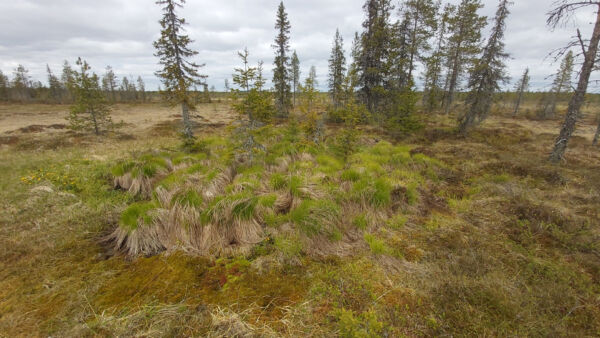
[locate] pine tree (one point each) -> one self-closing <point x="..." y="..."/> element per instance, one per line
<point x="141" y="88"/>
<point x="179" y="74"/>
<point x="54" y="87"/>
<point x="4" y="86"/>
<point x="109" y="83"/>
<point x="337" y="70"/>
<point x="374" y="52"/>
<point x="281" y="73"/>
<point x="434" y="65"/>
<point x="420" y="16"/>
<point x="560" y="85"/>
<point x="295" y="76"/>
<point x="463" y="44"/>
<point x="21" y="83"/>
<point x="90" y="110"/>
<point x="521" y="87"/>
<point x="488" y="73"/>
<point x="558" y="15"/>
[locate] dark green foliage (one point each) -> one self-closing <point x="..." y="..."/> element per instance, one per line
<point x="178" y="73"/>
<point x="464" y="26"/>
<point x="90" y="111"/>
<point x="281" y="73"/>
<point x="337" y="70"/>
<point x="488" y="73"/>
<point x="136" y="212"/>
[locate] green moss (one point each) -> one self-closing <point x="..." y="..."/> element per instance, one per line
<point x="314" y="216"/>
<point x="136" y="211"/>
<point x="364" y="325"/>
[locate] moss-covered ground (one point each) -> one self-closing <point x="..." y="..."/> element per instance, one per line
<point x="436" y="234"/>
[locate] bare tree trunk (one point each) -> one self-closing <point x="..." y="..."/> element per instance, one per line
<point x="518" y="104"/>
<point x="597" y="136"/>
<point x="577" y="99"/>
<point x="187" y="125"/>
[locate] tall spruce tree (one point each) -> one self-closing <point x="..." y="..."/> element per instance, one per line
<point x="521" y="87"/>
<point x="560" y="85"/>
<point x="337" y="70"/>
<point x="434" y="65"/>
<point x="179" y="73"/>
<point x="90" y="110"/>
<point x="281" y="73"/>
<point x="421" y="16"/>
<point x="374" y="52"/>
<point x="295" y="76"/>
<point x="562" y="12"/>
<point x="463" y="45"/>
<point x="487" y="75"/>
<point x="125" y="90"/>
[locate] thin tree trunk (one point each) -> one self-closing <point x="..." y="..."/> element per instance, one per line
<point x="187" y="125"/>
<point x="518" y="105"/>
<point x="597" y="136"/>
<point x="577" y="99"/>
<point x="96" y="130"/>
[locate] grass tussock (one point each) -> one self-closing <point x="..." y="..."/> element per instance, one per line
<point x="442" y="235"/>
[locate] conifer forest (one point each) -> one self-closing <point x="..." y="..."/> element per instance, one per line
<point x="332" y="168"/>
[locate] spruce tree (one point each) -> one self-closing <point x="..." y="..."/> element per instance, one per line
<point x="558" y="15"/>
<point x="465" y="27"/>
<point x="109" y="83"/>
<point x="295" y="76"/>
<point x="337" y="70"/>
<point x="521" y="87"/>
<point x="488" y="73"/>
<point x="434" y="65"/>
<point x="281" y="73"/>
<point x="421" y="18"/>
<point x="54" y="87"/>
<point x="560" y="85"/>
<point x="178" y="74"/>
<point x="90" y="110"/>
<point x="374" y="52"/>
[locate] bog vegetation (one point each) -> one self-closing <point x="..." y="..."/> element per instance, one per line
<point x="371" y="210"/>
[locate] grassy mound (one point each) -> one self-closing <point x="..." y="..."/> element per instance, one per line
<point x="218" y="202"/>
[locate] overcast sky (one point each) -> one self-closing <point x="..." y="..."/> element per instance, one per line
<point x="120" y="33"/>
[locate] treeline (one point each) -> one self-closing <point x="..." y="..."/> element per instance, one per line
<point x="59" y="89"/>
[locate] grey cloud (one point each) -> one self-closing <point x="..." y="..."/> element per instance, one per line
<point x="120" y="33"/>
